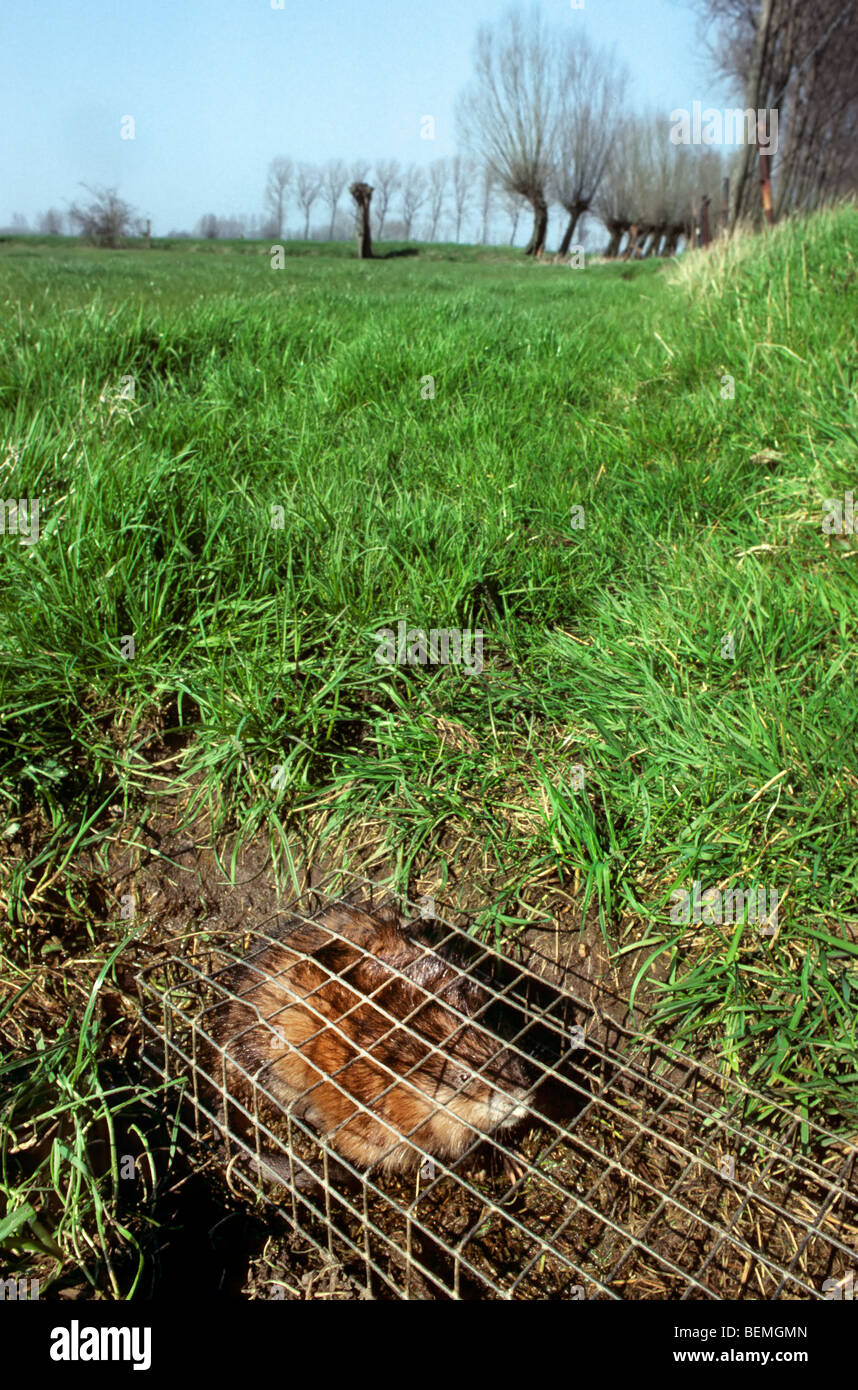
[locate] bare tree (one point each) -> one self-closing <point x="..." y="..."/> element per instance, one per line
<point x="213" y="227"/>
<point x="334" y="178"/>
<point x="462" y="174"/>
<point x="488" y="185"/>
<point x="279" y="178"/>
<point x="232" y="228"/>
<point x="51" y="223"/>
<point x="107" y="219"/>
<point x="208" y="226"/>
<point x="438" y="174"/>
<point x="592" y="84"/>
<point x="308" y="186"/>
<point x="508" y="114"/>
<point x="414" y="192"/>
<point x="388" y="177"/>
<point x="513" y="205"/>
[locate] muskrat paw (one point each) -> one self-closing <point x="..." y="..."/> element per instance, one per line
<point x="515" y="1167"/>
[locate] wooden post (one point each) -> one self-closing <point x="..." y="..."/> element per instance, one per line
<point x="148" y="234"/>
<point x="765" y="181"/>
<point x="362" y="194"/>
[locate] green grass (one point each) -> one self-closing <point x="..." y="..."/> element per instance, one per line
<point x="300" y="388"/>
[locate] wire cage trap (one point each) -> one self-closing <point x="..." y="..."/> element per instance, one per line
<point x="637" y="1172"/>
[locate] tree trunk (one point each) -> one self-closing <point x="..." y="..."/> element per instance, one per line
<point x="637" y="234"/>
<point x="362" y="194"/>
<point x="753" y="93"/>
<point x="574" y="214"/>
<point x="671" y="240"/>
<point x="536" y="245"/>
<point x="705" y="227"/>
<point x="616" y="230"/>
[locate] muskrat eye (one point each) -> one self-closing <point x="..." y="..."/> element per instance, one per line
<point x="463" y="1077"/>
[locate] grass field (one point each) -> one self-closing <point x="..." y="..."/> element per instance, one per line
<point x="686" y="644"/>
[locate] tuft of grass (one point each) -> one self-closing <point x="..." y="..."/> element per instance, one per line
<point x="65" y="1132"/>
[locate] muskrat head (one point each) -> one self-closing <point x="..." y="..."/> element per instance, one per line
<point x="484" y="1083"/>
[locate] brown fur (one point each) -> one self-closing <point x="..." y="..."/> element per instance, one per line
<point x="305" y="1012"/>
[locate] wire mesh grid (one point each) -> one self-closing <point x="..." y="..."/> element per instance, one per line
<point x="638" y="1172"/>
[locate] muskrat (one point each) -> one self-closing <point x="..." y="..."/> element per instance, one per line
<point x="350" y="1022"/>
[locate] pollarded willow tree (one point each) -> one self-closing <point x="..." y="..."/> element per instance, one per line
<point x="617" y="199"/>
<point x="590" y="102"/>
<point x="672" y="181"/>
<point x="508" y="114"/>
<point x="652" y="187"/>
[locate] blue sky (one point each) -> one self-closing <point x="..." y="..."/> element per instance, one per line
<point x="217" y="88"/>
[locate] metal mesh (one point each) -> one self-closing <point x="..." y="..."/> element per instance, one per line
<point x="648" y="1178"/>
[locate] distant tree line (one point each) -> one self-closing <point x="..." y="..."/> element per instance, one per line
<point x="451" y="200"/>
<point x="50" y="223"/>
<point x="439" y="201"/>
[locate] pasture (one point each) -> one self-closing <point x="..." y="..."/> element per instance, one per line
<point x="617" y="475"/>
